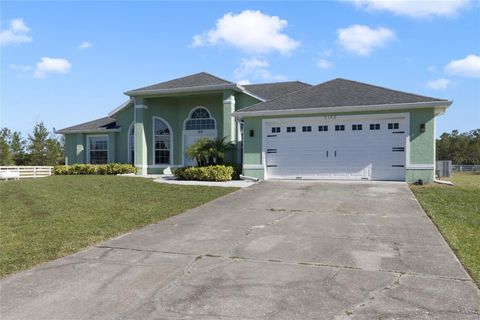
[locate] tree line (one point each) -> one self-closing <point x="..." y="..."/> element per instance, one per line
<point x="40" y="148"/>
<point x="461" y="148"/>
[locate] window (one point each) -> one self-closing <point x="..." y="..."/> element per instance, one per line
<point x="275" y="129"/>
<point x="374" y="126"/>
<point x="98" y="150"/>
<point x="392" y="126"/>
<point x="131" y="144"/>
<point x="357" y="127"/>
<point x="291" y="129"/>
<point x="306" y="129"/>
<point x="322" y="128"/>
<point x="339" y="127"/>
<point x="200" y="120"/>
<point x="161" y="142"/>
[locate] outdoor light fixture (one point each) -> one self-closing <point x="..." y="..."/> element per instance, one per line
<point x="422" y="127"/>
<point x="252" y="133"/>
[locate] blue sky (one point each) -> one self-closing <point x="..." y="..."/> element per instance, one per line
<point x="69" y="62"/>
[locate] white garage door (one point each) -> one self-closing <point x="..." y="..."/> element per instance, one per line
<point x="363" y="148"/>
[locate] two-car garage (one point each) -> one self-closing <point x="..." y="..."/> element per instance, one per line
<point x="336" y="147"/>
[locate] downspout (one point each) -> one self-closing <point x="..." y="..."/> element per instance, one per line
<point x="248" y="178"/>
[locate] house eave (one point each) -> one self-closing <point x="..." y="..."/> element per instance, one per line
<point x="440" y="107"/>
<point x="87" y="131"/>
<point x="120" y="108"/>
<point x="184" y="90"/>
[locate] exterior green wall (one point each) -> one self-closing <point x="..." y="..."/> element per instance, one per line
<point x="124" y="120"/>
<point x="75" y="148"/>
<point x="421" y="143"/>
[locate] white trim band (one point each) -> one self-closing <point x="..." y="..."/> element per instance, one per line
<point x="421" y="166"/>
<point x="253" y="166"/>
<point x="380" y="107"/>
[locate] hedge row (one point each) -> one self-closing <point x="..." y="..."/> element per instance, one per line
<point x="111" y="168"/>
<point x="208" y="173"/>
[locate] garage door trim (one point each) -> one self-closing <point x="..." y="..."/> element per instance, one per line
<point x="383" y="116"/>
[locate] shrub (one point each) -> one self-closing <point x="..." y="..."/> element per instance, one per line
<point x="209" y="173"/>
<point x="110" y="168"/>
<point x="59" y="170"/>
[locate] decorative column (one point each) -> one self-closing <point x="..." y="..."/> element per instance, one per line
<point x="140" y="140"/>
<point x="229" y="123"/>
<point x="229" y="129"/>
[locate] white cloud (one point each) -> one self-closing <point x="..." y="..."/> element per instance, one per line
<point x="244" y="82"/>
<point x="362" y="39"/>
<point x="439" y="84"/>
<point x="21" y="68"/>
<point x="51" y="65"/>
<point x="256" y="68"/>
<point x="326" y="53"/>
<point x="324" y="64"/>
<point x="85" y="45"/>
<point x="466" y="67"/>
<point x="416" y="9"/>
<point x="250" y="31"/>
<point x="15" y="34"/>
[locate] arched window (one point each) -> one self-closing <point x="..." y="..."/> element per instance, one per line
<point x="131" y="144"/>
<point x="162" y="142"/>
<point x="200" y="119"/>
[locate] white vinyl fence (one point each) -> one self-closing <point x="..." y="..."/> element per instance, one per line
<point x="21" y="172"/>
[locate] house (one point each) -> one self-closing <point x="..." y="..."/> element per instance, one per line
<point x="339" y="129"/>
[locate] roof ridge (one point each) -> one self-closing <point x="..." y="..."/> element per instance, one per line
<point x="276" y="98"/>
<point x="279" y="82"/>
<point x="384" y="88"/>
<point x="212" y="75"/>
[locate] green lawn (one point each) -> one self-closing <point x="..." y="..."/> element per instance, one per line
<point x="456" y="212"/>
<point x="47" y="218"/>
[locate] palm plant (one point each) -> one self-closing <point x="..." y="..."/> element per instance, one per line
<point x="209" y="151"/>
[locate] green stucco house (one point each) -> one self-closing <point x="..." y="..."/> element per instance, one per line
<point x="339" y="129"/>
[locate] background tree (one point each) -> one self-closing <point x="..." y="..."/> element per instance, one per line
<point x="55" y="151"/>
<point x="17" y="148"/>
<point x="461" y="148"/>
<point x="37" y="144"/>
<point x="6" y="158"/>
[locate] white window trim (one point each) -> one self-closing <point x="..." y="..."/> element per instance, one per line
<point x="190" y="114"/>
<point x="129" y="144"/>
<point x="88" y="145"/>
<point x="170" y="162"/>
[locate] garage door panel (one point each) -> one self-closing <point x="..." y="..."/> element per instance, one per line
<point x="348" y="154"/>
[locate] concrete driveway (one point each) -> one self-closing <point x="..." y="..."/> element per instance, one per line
<point x="277" y="250"/>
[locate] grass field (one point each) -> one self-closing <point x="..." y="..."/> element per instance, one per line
<point x="456" y="212"/>
<point x="47" y="218"/>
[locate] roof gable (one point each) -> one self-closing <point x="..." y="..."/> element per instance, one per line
<point x="339" y="93"/>
<point x="201" y="79"/>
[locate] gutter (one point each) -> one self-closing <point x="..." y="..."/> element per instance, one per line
<point x="398" y="106"/>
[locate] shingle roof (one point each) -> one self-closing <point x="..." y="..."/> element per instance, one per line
<point x="195" y="80"/>
<point x="274" y="90"/>
<point x="338" y="93"/>
<point x="102" y="124"/>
